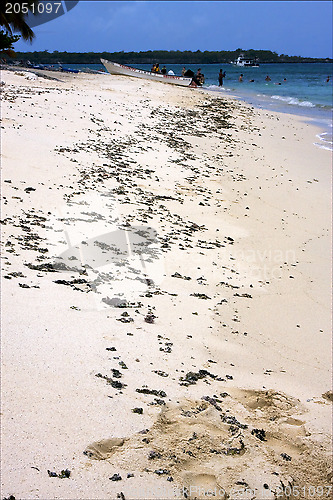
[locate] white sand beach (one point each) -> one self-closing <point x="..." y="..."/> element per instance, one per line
<point x="168" y="251"/>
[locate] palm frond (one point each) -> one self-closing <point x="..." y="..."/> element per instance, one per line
<point x="12" y="21"/>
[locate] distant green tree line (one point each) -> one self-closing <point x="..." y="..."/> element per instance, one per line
<point x="161" y="56"/>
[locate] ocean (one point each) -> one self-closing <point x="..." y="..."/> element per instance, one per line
<point x="297" y="88"/>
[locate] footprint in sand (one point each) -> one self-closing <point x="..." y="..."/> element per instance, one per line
<point x="103" y="449"/>
<point x="202" y="485"/>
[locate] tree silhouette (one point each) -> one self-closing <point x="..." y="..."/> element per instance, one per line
<point x="13" y="18"/>
<point x="6" y="43"/>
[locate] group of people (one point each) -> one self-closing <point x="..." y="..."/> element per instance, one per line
<point x="156" y="69"/>
<point x="197" y="80"/>
<point x="267" y="79"/>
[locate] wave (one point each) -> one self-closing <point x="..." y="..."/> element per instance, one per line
<point x="294" y="101"/>
<point x="216" y="88"/>
<point x="324" y="146"/>
<point x="326" y="141"/>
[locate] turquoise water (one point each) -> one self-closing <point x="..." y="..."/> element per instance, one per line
<point x="305" y="91"/>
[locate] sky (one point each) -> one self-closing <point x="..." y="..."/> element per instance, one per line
<point x="300" y="28"/>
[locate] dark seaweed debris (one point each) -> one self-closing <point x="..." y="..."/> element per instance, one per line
<point x="328" y="396"/>
<point x="229" y="419"/>
<point x="125" y="318"/>
<point x="150" y="318"/>
<point x="167" y="347"/>
<point x="193" y="377"/>
<point x="114" y="383"/>
<point x="200" y="296"/>
<point x="157" y="401"/>
<point x="231" y="451"/>
<point x="73" y="283"/>
<point x="259" y="433"/>
<point x="115" y="477"/>
<point x="51" y="268"/>
<point x="177" y="275"/>
<point x="139" y="411"/>
<point x="162" y="394"/>
<point x="161" y="471"/>
<point x="161" y="373"/>
<point x="213" y="402"/>
<point x="246" y="295"/>
<point x="63" y="474"/>
<point x="116" y="373"/>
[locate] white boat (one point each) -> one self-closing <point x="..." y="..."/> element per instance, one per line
<point x="242" y="62"/>
<point x="119" y="69"/>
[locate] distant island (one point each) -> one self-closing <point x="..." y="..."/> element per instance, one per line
<point x="162" y="56"/>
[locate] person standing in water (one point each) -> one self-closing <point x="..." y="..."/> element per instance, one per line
<point x="221" y="76"/>
<point x="240" y="79"/>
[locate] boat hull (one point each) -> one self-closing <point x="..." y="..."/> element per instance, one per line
<point x="120" y="69"/>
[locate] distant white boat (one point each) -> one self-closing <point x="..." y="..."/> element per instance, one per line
<point x="119" y="69"/>
<point x="242" y="62"/>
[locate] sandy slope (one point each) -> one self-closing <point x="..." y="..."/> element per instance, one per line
<point x="210" y="222"/>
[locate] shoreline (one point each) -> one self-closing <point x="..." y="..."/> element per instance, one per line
<point x="225" y="209"/>
<point x="316" y="116"/>
<point x="320" y="115"/>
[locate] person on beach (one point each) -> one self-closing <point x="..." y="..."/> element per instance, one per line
<point x="157" y="68"/>
<point x="164" y="70"/>
<point x="153" y="68"/>
<point x="196" y="81"/>
<point x="267" y="79"/>
<point x="240" y="79"/>
<point x="221" y="76"/>
<point x="183" y="71"/>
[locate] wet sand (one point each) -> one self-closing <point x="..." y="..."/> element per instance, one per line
<point x="166" y="294"/>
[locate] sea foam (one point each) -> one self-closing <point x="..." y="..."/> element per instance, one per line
<point x="326" y="141"/>
<point x="293" y="101"/>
